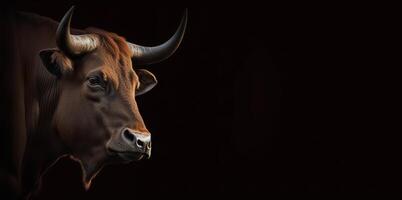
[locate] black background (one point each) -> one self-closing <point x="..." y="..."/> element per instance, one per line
<point x="257" y="100"/>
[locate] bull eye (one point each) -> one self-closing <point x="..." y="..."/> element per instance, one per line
<point x="96" y="81"/>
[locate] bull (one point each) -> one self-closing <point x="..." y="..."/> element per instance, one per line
<point x="79" y="96"/>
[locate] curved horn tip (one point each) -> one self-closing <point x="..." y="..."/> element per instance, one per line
<point x="73" y="44"/>
<point x="148" y="55"/>
<point x="185" y="16"/>
<point x="63" y="30"/>
<point x="71" y="8"/>
<point x="67" y="17"/>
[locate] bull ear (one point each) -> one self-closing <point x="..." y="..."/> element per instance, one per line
<point x="147" y="81"/>
<point x="55" y="62"/>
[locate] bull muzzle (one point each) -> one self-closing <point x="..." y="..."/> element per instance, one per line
<point x="139" y="142"/>
<point x="131" y="145"/>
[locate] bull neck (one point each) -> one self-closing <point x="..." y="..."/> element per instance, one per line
<point x="43" y="147"/>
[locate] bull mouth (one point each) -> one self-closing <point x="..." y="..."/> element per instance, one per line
<point x="126" y="155"/>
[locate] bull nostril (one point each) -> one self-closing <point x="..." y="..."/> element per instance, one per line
<point x="140" y="143"/>
<point x="128" y="135"/>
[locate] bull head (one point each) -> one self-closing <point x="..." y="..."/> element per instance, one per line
<point x="97" y="117"/>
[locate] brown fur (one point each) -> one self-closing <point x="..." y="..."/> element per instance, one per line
<point x="115" y="45"/>
<point x="62" y="60"/>
<point x="65" y="114"/>
<point x="117" y="54"/>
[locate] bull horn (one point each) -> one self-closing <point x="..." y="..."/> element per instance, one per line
<point x="147" y="55"/>
<point x="74" y="44"/>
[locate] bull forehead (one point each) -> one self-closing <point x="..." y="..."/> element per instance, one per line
<point x="118" y="71"/>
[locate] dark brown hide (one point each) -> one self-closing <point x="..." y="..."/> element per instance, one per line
<point x="65" y="110"/>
